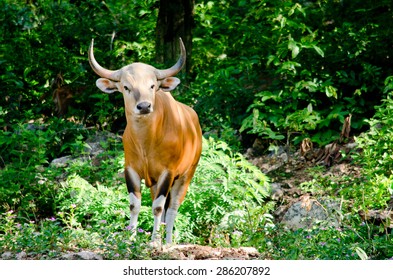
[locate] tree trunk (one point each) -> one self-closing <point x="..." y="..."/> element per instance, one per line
<point x="175" y="19"/>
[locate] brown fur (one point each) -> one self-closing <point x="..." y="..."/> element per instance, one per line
<point x="169" y="138"/>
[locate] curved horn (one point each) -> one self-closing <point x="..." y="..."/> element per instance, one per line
<point x="100" y="71"/>
<point x="162" y="74"/>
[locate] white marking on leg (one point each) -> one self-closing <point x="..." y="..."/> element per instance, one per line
<point x="170" y="221"/>
<point x="177" y="194"/>
<point x="135" y="202"/>
<point x="158" y="207"/>
<point x="135" y="208"/>
<point x="163" y="216"/>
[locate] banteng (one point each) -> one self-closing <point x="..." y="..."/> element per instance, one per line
<point x="162" y="140"/>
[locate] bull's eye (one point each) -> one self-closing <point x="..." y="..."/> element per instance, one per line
<point x="152" y="86"/>
<point x="126" y="88"/>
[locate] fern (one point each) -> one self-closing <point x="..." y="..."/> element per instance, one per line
<point x="225" y="186"/>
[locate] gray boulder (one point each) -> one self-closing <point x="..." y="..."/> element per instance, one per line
<point x="307" y="212"/>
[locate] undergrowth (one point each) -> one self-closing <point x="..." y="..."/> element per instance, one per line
<point x="83" y="205"/>
<point x="48" y="209"/>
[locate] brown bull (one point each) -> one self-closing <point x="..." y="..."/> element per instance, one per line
<point x="162" y="140"/>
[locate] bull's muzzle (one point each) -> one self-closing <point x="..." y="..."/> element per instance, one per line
<point x="144" y="108"/>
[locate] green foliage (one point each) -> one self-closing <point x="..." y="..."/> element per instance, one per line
<point x="225" y="206"/>
<point x="289" y="69"/>
<point x="25" y="151"/>
<point x="48" y="239"/>
<point x="352" y="239"/>
<point x="43" y="38"/>
<point x="328" y="243"/>
<point x="292" y="105"/>
<point x="275" y="69"/>
<point x="81" y="203"/>
<point x="227" y="196"/>
<point x="376" y="158"/>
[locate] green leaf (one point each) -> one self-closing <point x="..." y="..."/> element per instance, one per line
<point x="362" y="255"/>
<point x="331" y="92"/>
<point x="309" y="108"/>
<point x="319" y="50"/>
<point x="357" y="92"/>
<point x="295" y="51"/>
<point x="271" y="58"/>
<point x="292" y="45"/>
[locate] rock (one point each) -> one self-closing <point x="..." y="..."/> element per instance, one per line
<point x="269" y="167"/>
<point x="92" y="150"/>
<point x="67" y="160"/>
<point x="83" y="255"/>
<point x="61" y="162"/>
<point x="284" y="191"/>
<point x="68" y="256"/>
<point x="21" y="256"/>
<point x="94" y="143"/>
<point x="95" y="147"/>
<point x="250" y="251"/>
<point x="277" y="191"/>
<point x="7" y="256"/>
<point x="308" y="211"/>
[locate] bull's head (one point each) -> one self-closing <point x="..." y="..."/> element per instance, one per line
<point x="138" y="81"/>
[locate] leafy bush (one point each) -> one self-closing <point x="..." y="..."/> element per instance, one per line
<point x="227" y="197"/>
<point x="225" y="206"/>
<point x="289" y="69"/>
<point x="350" y="242"/>
<point x="80" y="203"/>
<point x="276" y="69"/>
<point x="43" y="38"/>
<point x="376" y="158"/>
<point x="25" y="151"/>
<point x="49" y="239"/>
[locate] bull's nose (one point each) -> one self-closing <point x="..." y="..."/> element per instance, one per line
<point x="144" y="107"/>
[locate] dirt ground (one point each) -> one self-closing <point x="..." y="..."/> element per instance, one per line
<point x="197" y="252"/>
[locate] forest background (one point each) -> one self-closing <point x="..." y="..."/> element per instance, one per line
<point x="276" y="71"/>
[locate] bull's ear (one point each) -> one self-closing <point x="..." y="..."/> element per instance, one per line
<point x="106" y="85"/>
<point x="169" y="84"/>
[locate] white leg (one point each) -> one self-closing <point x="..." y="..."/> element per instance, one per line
<point x="133" y="182"/>
<point x="170" y="221"/>
<point x="163" y="217"/>
<point x="178" y="192"/>
<point x="135" y="208"/>
<point x="158" y="207"/>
